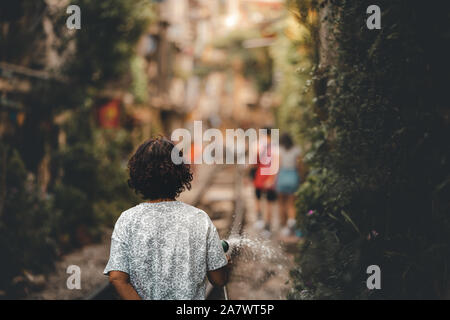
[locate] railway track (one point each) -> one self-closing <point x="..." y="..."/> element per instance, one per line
<point x="219" y="193"/>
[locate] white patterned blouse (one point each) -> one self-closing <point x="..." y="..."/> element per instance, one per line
<point x="166" y="248"/>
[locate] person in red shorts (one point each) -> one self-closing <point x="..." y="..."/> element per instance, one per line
<point x="265" y="186"/>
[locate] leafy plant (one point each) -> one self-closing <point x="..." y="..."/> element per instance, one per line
<point x="26" y="223"/>
<point x="379" y="185"/>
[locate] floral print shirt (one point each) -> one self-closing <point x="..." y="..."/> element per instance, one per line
<point x="166" y="248"/>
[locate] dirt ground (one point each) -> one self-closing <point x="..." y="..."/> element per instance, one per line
<point x="91" y="259"/>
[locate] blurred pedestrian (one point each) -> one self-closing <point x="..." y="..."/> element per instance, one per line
<point x="288" y="181"/>
<point x="264" y="186"/>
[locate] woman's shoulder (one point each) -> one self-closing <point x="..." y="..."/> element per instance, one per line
<point x="128" y="214"/>
<point x="194" y="214"/>
<point x="190" y="209"/>
<point x="174" y="207"/>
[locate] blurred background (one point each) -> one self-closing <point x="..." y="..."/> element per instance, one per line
<point x="366" y="107"/>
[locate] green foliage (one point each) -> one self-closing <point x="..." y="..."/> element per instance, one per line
<point x="26" y="223"/>
<point x="256" y="62"/>
<point x="21" y="30"/>
<point x="36" y="228"/>
<point x="381" y="188"/>
<point x="92" y="191"/>
<point x="139" y="86"/>
<point x="88" y="186"/>
<point x="106" y="42"/>
<point x="293" y="65"/>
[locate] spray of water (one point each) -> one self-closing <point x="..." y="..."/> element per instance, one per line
<point x="257" y="261"/>
<point x="252" y="248"/>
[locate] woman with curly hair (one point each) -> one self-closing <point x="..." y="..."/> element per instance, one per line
<point x="163" y="248"/>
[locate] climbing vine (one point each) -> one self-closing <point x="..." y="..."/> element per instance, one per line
<point x="378" y="189"/>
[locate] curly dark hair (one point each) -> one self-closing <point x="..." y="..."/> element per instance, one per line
<point x="154" y="175"/>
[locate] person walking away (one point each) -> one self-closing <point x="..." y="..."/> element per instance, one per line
<point x="288" y="181"/>
<point x="265" y="187"/>
<point x="163" y="249"/>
